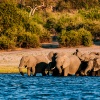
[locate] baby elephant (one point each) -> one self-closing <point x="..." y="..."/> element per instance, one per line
<point x="34" y="64"/>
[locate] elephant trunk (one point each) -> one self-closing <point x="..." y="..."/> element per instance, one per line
<point x="60" y="70"/>
<point x="89" y="67"/>
<point x="21" y="72"/>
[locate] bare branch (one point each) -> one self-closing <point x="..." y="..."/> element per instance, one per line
<point x="32" y="10"/>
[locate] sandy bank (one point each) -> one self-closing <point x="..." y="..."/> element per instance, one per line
<point x="12" y="58"/>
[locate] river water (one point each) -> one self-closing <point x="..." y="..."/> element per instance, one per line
<point x="17" y="87"/>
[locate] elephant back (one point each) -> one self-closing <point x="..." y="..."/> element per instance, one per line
<point x="42" y="58"/>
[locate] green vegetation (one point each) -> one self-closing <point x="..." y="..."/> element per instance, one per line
<point x="75" y="38"/>
<point x="75" y="22"/>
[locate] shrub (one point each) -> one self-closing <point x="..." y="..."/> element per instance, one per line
<point x="39" y="18"/>
<point x="86" y="37"/>
<point x="69" y="38"/>
<point x="70" y="22"/>
<point x="92" y="13"/>
<point x="27" y="40"/>
<point x="6" y="43"/>
<point x="9" y="15"/>
<point x="93" y="27"/>
<point x="75" y="38"/>
<point x="51" y="23"/>
<point x="62" y="5"/>
<point x="45" y="37"/>
<point x="62" y="23"/>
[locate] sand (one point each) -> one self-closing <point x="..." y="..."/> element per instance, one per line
<point x="12" y="57"/>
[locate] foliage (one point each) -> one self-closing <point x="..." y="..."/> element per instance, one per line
<point x="27" y="40"/>
<point x="6" y="43"/>
<point x="45" y="37"/>
<point x="86" y="37"/>
<point x="62" y="5"/>
<point x="17" y="28"/>
<point x="74" y="25"/>
<point x="75" y="38"/>
<point x="93" y="13"/>
<point x="50" y="23"/>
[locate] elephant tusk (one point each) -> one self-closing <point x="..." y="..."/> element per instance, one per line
<point x="53" y="68"/>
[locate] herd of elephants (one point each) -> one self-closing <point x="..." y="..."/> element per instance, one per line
<point x="60" y="64"/>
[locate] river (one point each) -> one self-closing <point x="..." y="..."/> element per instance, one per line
<point x="17" y="87"/>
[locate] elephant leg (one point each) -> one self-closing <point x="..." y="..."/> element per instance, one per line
<point x="98" y="72"/>
<point x="89" y="67"/>
<point x="28" y="71"/>
<point x="94" y="73"/>
<point x="60" y="70"/>
<point x="43" y="73"/>
<point x="33" y="71"/>
<point x="66" y="72"/>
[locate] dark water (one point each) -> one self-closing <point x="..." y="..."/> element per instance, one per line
<point x="17" y="87"/>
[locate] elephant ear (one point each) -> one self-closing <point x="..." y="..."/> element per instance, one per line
<point x="23" y="61"/>
<point x="97" y="64"/>
<point x="50" y="55"/>
<point x="85" y="57"/>
<point x="66" y="62"/>
<point x="60" y="54"/>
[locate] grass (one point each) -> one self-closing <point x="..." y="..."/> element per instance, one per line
<point x="10" y="69"/>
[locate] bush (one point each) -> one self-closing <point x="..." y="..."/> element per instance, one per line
<point x="10" y="15"/>
<point x="17" y="28"/>
<point x="69" y="38"/>
<point x="92" y="13"/>
<point x="62" y="23"/>
<point x="75" y="38"/>
<point x="38" y="17"/>
<point x="93" y="27"/>
<point x="51" y="23"/>
<point x="27" y="40"/>
<point x="6" y="43"/>
<point x="45" y="37"/>
<point x="70" y="22"/>
<point x="62" y="5"/>
<point x="86" y="37"/>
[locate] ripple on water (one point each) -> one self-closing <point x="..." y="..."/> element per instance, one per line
<point x="15" y="86"/>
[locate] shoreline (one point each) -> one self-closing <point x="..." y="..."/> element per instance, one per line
<point x="10" y="59"/>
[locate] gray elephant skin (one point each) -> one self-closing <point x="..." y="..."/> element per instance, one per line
<point x="66" y="65"/>
<point x="34" y="64"/>
<point x="90" y="63"/>
<point x="93" y="67"/>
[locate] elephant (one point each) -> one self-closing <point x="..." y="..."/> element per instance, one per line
<point x="86" y="56"/>
<point x="87" y="63"/>
<point x="93" y="67"/>
<point x="34" y="64"/>
<point x="66" y="65"/>
<point x="52" y="57"/>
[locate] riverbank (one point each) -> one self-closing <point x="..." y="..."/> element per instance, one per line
<point x="9" y="60"/>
